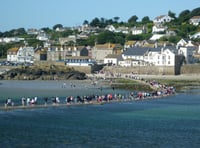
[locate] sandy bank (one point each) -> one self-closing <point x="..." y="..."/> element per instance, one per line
<point x="190" y="77"/>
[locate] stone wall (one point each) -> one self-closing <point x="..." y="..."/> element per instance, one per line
<point x="190" y="69"/>
<point x="151" y="70"/>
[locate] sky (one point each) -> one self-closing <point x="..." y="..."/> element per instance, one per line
<point x="47" y="13"/>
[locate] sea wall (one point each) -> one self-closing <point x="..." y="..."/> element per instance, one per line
<point x="155" y="70"/>
<point x="190" y="69"/>
<point x="151" y="70"/>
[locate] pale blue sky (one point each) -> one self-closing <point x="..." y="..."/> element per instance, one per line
<point x="46" y="13"/>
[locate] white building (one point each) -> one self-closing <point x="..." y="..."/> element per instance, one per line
<point x="188" y="53"/>
<point x="164" y="56"/>
<point x="25" y="55"/>
<point x="157" y="29"/>
<point x="112" y="59"/>
<point x="110" y="28"/>
<point x="79" y="61"/>
<point x="195" y="20"/>
<point x="195" y="36"/>
<point x="138" y="30"/>
<point x="162" y="19"/>
<point x="42" y="36"/>
<point x="12" y="54"/>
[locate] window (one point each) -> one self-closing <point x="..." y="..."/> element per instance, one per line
<point x="168" y="57"/>
<point x="168" y="62"/>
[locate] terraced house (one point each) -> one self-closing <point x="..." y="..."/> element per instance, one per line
<point x="21" y="55"/>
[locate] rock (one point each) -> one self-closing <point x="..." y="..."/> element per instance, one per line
<point x="43" y="74"/>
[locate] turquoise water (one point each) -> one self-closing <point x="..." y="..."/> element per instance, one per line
<point x="168" y="122"/>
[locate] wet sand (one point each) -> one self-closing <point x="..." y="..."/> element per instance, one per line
<point x="189" y="77"/>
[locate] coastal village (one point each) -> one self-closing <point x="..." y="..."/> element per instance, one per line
<point x="71" y="78"/>
<point x="149" y="56"/>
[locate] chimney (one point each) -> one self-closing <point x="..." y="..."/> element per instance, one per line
<point x="156" y="44"/>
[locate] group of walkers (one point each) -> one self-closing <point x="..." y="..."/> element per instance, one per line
<point x="160" y="91"/>
<point x="90" y="99"/>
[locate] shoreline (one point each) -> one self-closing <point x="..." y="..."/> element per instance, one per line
<point x="158" y="87"/>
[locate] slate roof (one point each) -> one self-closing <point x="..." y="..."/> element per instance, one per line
<point x="119" y="57"/>
<point x="139" y="51"/>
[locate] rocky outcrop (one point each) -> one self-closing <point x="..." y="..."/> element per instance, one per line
<point x="41" y="73"/>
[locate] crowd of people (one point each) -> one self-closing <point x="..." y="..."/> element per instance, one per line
<point x="160" y="90"/>
<point x="90" y="99"/>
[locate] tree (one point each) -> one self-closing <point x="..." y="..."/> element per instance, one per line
<point x="145" y="20"/>
<point x="95" y="22"/>
<point x="46" y="29"/>
<point x="116" y="19"/>
<point x="186" y="29"/>
<point x="171" y="14"/>
<point x="57" y="26"/>
<point x="184" y="16"/>
<point x="1" y="34"/>
<point x="106" y="36"/>
<point x="109" y="22"/>
<point x="195" y="12"/>
<point x="14" y="32"/>
<point x="66" y="33"/>
<point x="132" y="20"/>
<point x="85" y="22"/>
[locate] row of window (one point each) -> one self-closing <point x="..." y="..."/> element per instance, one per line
<point x="163" y="57"/>
<point x="78" y="61"/>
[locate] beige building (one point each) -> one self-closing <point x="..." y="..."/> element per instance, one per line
<point x="100" y="51"/>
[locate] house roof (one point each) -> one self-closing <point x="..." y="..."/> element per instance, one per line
<point x="114" y="56"/>
<point x="105" y="46"/>
<point x="162" y="16"/>
<point x="159" y="17"/>
<point x="15" y="49"/>
<point x="130" y="42"/>
<point x="78" y="57"/>
<point x="195" y="17"/>
<point x="139" y="51"/>
<point x="156" y="36"/>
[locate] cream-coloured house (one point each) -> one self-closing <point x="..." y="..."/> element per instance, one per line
<point x="12" y="54"/>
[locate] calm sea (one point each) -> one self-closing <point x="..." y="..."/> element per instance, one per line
<point x="168" y="122"/>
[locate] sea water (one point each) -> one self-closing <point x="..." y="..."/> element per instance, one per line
<point x="167" y="122"/>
